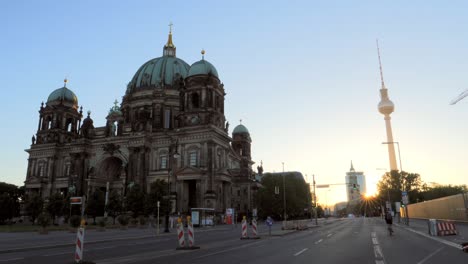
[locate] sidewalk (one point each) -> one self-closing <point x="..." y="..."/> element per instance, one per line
<point x="421" y="226"/>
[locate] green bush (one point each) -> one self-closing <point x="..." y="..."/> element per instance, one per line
<point x="142" y="220"/>
<point x="75" y="221"/>
<point x="123" y="220"/>
<point x="44" y="220"/>
<point x="102" y="222"/>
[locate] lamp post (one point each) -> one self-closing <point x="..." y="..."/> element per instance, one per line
<point x="173" y="154"/>
<point x="401" y="170"/>
<point x="284" y="195"/>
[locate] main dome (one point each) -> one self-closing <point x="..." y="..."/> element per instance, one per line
<point x="160" y="72"/>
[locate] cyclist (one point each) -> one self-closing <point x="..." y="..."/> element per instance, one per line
<point x="389" y="220"/>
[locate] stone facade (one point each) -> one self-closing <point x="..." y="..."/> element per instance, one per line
<point x="170" y="126"/>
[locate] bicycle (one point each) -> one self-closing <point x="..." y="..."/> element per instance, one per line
<point x="390" y="229"/>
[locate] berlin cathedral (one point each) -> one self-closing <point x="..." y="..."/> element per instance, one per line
<point x="170" y="125"/>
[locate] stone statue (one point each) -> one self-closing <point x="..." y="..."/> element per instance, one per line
<point x="227" y="126"/>
<point x="260" y="170"/>
<point x="33" y="139"/>
<point x="113" y="127"/>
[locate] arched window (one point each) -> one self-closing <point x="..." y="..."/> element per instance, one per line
<point x="195" y="100"/>
<point x="163" y="162"/>
<point x="193" y="158"/>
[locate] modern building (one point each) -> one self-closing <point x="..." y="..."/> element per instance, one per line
<point x="355" y="184"/>
<point x="170" y="125"/>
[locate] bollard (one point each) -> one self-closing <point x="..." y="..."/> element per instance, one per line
<point x="254" y="229"/>
<point x="191" y="234"/>
<point x="180" y="234"/>
<point x="80" y="242"/>
<point x="244" y="228"/>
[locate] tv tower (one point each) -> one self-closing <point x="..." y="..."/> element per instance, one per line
<point x="386" y="107"/>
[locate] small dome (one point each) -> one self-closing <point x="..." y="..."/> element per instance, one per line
<point x="202" y="67"/>
<point x="63" y="96"/>
<point x="115" y="110"/>
<point x="159" y="72"/>
<point x="240" y="129"/>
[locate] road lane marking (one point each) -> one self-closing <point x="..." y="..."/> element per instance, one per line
<point x="6" y="260"/>
<point x="430" y="256"/>
<point x="374" y="241"/>
<point x="230" y="249"/>
<point x="379" y="257"/>
<point x="300" y="252"/>
<point x="378" y="252"/>
<point x="98" y="248"/>
<point x="329" y="235"/>
<point x="56" y="254"/>
<point x="318" y="241"/>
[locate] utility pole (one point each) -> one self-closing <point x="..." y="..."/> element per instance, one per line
<point x="284" y="196"/>
<point x="315" y="200"/>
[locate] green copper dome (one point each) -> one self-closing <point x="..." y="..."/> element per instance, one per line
<point x="240" y="129"/>
<point x="63" y="96"/>
<point x="159" y="72"/>
<point x="202" y="67"/>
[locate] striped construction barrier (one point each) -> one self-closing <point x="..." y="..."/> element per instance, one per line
<point x="191" y="234"/>
<point x="79" y="243"/>
<point x="445" y="228"/>
<point x="465" y="247"/>
<point x="180" y="233"/>
<point x="244" y="228"/>
<point x="254" y="229"/>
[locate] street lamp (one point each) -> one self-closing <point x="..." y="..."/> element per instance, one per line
<point x="284" y="195"/>
<point x="173" y="154"/>
<point x="401" y="170"/>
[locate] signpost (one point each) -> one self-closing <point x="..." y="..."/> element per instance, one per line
<point x="158" y="204"/>
<point x="405" y="200"/>
<point x="269" y="223"/>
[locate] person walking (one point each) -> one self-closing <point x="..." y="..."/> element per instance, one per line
<point x="389" y="221"/>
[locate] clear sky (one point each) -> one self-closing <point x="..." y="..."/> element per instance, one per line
<point x="302" y="75"/>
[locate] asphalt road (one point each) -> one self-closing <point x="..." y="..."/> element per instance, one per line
<point x="358" y="240"/>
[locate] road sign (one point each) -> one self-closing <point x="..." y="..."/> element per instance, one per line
<point x="404" y="199"/>
<point x="76" y="200"/>
<point x="269" y="221"/>
<point x="388" y="205"/>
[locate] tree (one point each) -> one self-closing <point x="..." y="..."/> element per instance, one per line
<point x="135" y="201"/>
<point x="298" y="196"/>
<point x="10" y="196"/>
<point x="55" y="206"/>
<point x="158" y="191"/>
<point x="95" y="205"/>
<point x="114" y="205"/>
<point x="430" y="193"/>
<point x="33" y="206"/>
<point x="394" y="182"/>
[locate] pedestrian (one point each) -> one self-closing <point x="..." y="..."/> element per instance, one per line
<point x="389" y="221"/>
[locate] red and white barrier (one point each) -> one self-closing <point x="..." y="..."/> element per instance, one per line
<point x="191" y="234"/>
<point x="180" y="233"/>
<point x="254" y="228"/>
<point x="445" y="228"/>
<point x="244" y="229"/>
<point x="79" y="245"/>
